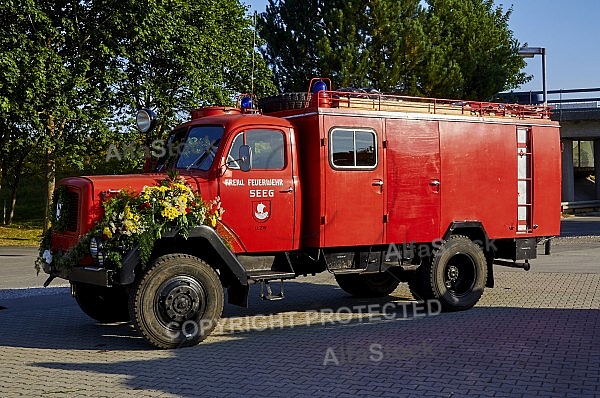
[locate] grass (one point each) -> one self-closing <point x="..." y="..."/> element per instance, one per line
<point x="26" y="229"/>
<point x="20" y="235"/>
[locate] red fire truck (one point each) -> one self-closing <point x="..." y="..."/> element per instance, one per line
<point x="376" y="189"/>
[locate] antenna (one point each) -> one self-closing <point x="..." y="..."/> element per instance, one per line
<point x="253" y="55"/>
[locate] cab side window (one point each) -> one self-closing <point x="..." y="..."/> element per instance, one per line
<point x="268" y="149"/>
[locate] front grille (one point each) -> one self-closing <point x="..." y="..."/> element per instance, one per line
<point x="73" y="211"/>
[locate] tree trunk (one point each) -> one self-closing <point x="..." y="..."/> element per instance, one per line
<point x="50" y="185"/>
<point x="3" y="204"/>
<point x="54" y="131"/>
<point x="18" y="169"/>
<point x="13" y="201"/>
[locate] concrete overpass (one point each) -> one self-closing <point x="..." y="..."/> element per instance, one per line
<point x="578" y="112"/>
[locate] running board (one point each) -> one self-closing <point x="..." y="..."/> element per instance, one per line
<point x="269" y="275"/>
<point x="264" y="278"/>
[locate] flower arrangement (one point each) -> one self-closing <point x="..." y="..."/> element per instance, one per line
<point x="132" y="219"/>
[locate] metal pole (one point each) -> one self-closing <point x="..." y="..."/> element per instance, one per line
<point x="544" y="76"/>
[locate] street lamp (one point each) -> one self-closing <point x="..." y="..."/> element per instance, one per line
<point x="530" y="52"/>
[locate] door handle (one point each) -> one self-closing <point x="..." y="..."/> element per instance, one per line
<point x="378" y="183"/>
<point x="290" y="189"/>
<point x="434" y="183"/>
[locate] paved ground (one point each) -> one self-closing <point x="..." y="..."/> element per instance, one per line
<point x="536" y="333"/>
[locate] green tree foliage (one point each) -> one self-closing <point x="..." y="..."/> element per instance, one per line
<point x="177" y="55"/>
<point x="444" y="48"/>
<point x="292" y="30"/>
<point x="73" y="73"/>
<point x="472" y="54"/>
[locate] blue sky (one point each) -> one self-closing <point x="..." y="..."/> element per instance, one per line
<point x="568" y="29"/>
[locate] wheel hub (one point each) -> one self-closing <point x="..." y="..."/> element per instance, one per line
<point x="452" y="276"/>
<point x="182" y="297"/>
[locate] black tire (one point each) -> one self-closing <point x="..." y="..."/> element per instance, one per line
<point x="455" y="275"/>
<point x="178" y="302"/>
<point x="368" y="285"/>
<point x="283" y="102"/>
<point x="417" y="286"/>
<point x="104" y="304"/>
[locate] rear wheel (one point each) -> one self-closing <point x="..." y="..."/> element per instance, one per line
<point x="455" y="275"/>
<point x="417" y="285"/>
<point x="178" y="302"/>
<point x="368" y="285"/>
<point x="104" y="304"/>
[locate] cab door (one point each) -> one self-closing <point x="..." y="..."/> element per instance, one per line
<point x="260" y="204"/>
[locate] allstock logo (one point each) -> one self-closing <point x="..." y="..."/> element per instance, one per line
<point x="358" y="354"/>
<point x="437" y="246"/>
<point x="157" y="149"/>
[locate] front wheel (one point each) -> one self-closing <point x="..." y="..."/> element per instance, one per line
<point x="455" y="275"/>
<point x="368" y="285"/>
<point x="178" y="302"/>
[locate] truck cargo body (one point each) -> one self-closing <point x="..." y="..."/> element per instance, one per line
<point x="426" y="172"/>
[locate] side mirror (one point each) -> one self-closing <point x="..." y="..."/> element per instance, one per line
<point x="245" y="158"/>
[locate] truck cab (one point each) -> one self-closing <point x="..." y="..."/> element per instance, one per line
<point x="207" y="149"/>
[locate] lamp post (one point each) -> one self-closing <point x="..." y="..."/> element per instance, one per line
<point x="530" y="52"/>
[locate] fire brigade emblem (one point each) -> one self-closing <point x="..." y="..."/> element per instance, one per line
<point x="261" y="210"/>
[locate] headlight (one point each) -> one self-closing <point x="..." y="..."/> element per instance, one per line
<point x="95" y="246"/>
<point x="145" y="120"/>
<point x="101" y="257"/>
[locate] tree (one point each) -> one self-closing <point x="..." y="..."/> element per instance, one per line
<point x="448" y="48"/>
<point x="473" y="53"/>
<point x="381" y="48"/>
<point x="292" y="30"/>
<point x="73" y="73"/>
<point x="178" y="55"/>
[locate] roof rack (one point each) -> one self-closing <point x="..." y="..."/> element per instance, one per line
<point x="396" y="103"/>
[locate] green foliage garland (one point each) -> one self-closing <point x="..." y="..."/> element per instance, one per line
<point x="134" y="220"/>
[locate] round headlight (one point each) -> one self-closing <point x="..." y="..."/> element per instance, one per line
<point x="95" y="246"/>
<point x="145" y="120"/>
<point x="101" y="257"/>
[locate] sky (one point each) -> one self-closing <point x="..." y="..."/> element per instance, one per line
<point x="568" y="29"/>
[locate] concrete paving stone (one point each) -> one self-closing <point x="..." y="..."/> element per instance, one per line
<point x="536" y="333"/>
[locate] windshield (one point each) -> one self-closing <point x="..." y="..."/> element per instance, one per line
<point x="166" y="161"/>
<point x="200" y="148"/>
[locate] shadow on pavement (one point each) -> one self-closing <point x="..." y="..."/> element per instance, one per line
<point x="540" y="351"/>
<point x="519" y="351"/>
<point x="49" y="318"/>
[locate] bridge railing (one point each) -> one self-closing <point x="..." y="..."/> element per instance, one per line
<point x="566" y="104"/>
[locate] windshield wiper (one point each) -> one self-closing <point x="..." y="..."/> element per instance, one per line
<point x="208" y="151"/>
